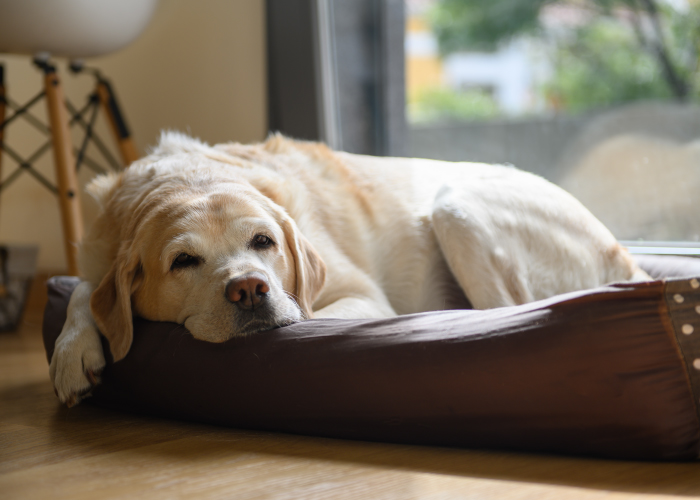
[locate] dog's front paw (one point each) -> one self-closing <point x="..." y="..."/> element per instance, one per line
<point x="76" y="363"/>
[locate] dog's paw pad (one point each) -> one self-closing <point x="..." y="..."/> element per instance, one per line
<point x="72" y="400"/>
<point x="93" y="377"/>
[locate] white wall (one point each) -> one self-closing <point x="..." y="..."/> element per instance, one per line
<point x="198" y="67"/>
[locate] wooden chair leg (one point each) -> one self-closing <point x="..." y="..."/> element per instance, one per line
<point x="3" y="102"/>
<point x="117" y="122"/>
<point x="66" y="178"/>
<point x="2" y="112"/>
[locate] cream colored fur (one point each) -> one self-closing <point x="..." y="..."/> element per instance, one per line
<point x="355" y="237"/>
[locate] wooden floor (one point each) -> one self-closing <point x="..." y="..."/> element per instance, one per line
<point x="47" y="451"/>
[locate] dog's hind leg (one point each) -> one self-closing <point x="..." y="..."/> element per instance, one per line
<point x="478" y="262"/>
<point x="510" y="237"/>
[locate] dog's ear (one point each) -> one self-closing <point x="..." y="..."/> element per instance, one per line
<point x="102" y="185"/>
<point x="110" y="302"/>
<point x="173" y="142"/>
<point x="310" y="268"/>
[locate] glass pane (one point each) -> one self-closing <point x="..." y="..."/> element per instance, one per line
<point x="598" y="96"/>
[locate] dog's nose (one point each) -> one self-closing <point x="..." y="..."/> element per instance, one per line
<point x="248" y="291"/>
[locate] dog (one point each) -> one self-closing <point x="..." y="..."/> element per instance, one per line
<point x="234" y="239"/>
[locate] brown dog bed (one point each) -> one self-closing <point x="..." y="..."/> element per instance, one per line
<point x="609" y="372"/>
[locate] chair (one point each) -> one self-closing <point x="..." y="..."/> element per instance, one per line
<point x="73" y="29"/>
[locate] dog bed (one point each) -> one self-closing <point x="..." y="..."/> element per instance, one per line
<point x="609" y="372"/>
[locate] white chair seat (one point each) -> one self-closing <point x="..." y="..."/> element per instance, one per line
<point x="71" y="28"/>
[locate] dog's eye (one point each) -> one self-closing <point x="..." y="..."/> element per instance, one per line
<point x="184" y="260"/>
<point x="262" y="241"/>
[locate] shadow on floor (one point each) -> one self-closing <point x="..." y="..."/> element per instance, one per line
<point x="59" y="433"/>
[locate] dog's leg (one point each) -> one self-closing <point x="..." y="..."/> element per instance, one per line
<point x="77" y="359"/>
<point x="479" y="261"/>
<point x="484" y="273"/>
<point x="351" y="294"/>
<point x="356" y="307"/>
<point x="513" y="238"/>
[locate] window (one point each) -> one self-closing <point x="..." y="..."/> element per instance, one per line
<point x="598" y="96"/>
<point x="336" y="72"/>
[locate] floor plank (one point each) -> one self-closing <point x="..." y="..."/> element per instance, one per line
<point x="48" y="451"/>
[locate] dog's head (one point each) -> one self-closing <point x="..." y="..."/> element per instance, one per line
<point x="201" y="246"/>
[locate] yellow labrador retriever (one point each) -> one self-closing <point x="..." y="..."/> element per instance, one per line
<point x="235" y="239"/>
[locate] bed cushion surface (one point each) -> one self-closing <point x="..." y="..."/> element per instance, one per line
<point x="607" y="372"/>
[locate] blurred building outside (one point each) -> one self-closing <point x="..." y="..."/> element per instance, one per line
<point x="507" y="76"/>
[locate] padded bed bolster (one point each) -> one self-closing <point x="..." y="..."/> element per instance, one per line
<point x="607" y="372"/>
